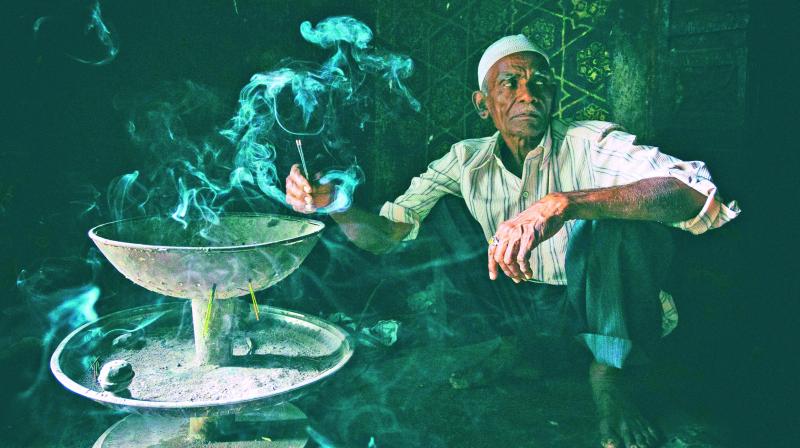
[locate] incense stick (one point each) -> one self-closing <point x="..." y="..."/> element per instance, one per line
<point x="95" y="370"/>
<point x="299" y="144"/>
<point x="253" y="295"/>
<point x="208" y="310"/>
<point x="369" y="301"/>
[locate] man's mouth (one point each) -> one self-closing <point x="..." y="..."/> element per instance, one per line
<point x="527" y="115"/>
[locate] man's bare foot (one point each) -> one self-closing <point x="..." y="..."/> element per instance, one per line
<point x="621" y="423"/>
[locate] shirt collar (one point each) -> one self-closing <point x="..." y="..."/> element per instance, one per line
<point x="544" y="148"/>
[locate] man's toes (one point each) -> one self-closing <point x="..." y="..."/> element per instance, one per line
<point x="652" y="435"/>
<point x="647" y="438"/>
<point x="644" y="434"/>
<point x="641" y="440"/>
<point x="628" y="437"/>
<point x="610" y="442"/>
<point x="638" y="433"/>
<point x="608" y="438"/>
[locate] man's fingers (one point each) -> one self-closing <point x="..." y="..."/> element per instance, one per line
<point x="509" y="258"/>
<point x="505" y="269"/>
<point x="296" y="197"/>
<point x="496" y="259"/>
<point x="497" y="255"/>
<point x="508" y="254"/>
<point x="509" y="269"/>
<point x="298" y="178"/>
<point x="298" y="191"/>
<point x="298" y="205"/>
<point x="299" y="208"/>
<point x="523" y="254"/>
<point x="524" y="264"/>
<point x="295" y="191"/>
<point x="499" y="250"/>
<point x="492" y="263"/>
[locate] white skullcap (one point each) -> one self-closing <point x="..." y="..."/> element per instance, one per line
<point x="502" y="48"/>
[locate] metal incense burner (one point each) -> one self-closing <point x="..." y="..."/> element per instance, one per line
<point x="205" y="371"/>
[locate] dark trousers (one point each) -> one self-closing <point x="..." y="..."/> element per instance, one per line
<point x="615" y="270"/>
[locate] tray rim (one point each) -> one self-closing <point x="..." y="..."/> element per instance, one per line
<point x="319" y="227"/>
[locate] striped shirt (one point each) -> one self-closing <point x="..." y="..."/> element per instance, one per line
<point x="572" y="156"/>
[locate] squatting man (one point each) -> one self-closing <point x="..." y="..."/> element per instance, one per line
<point x="575" y="214"/>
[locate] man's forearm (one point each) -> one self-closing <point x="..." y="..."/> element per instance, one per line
<point x="663" y="199"/>
<point x="369" y="231"/>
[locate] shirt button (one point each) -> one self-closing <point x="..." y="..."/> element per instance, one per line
<point x="525" y="194"/>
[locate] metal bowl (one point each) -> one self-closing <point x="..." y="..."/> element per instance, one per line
<point x="241" y="251"/>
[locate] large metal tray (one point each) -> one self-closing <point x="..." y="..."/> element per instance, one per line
<point x="303" y="348"/>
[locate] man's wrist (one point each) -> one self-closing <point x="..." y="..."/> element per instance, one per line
<point x="572" y="206"/>
<point x="586" y="204"/>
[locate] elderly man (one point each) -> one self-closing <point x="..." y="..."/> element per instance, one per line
<point x="565" y="208"/>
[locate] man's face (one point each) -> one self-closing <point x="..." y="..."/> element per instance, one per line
<point x="520" y="95"/>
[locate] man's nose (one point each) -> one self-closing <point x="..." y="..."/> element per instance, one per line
<point x="525" y="92"/>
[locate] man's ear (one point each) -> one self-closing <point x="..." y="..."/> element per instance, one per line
<point x="479" y="101"/>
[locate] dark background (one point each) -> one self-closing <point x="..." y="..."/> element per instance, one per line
<point x="706" y="80"/>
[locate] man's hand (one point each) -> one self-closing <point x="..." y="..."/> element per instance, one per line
<point x="366" y="230"/>
<point x="302" y="196"/>
<point x="516" y="237"/>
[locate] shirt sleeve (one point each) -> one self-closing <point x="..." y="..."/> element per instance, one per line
<point x="616" y="160"/>
<point x="442" y="177"/>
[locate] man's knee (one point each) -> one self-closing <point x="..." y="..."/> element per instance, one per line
<point x="606" y="237"/>
<point x="615" y="270"/>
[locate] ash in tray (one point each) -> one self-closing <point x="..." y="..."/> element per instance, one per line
<point x="165" y="369"/>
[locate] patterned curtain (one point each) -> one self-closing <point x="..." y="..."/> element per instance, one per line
<point x="446" y="39"/>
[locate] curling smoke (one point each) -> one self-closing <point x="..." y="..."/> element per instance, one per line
<point x="239" y="163"/>
<point x="96" y="28"/>
<point x="66" y="289"/>
<point x="316" y="92"/>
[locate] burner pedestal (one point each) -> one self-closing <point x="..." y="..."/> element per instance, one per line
<point x="207" y="373"/>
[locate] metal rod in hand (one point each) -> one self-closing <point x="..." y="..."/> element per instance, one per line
<point x="299" y="145"/>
